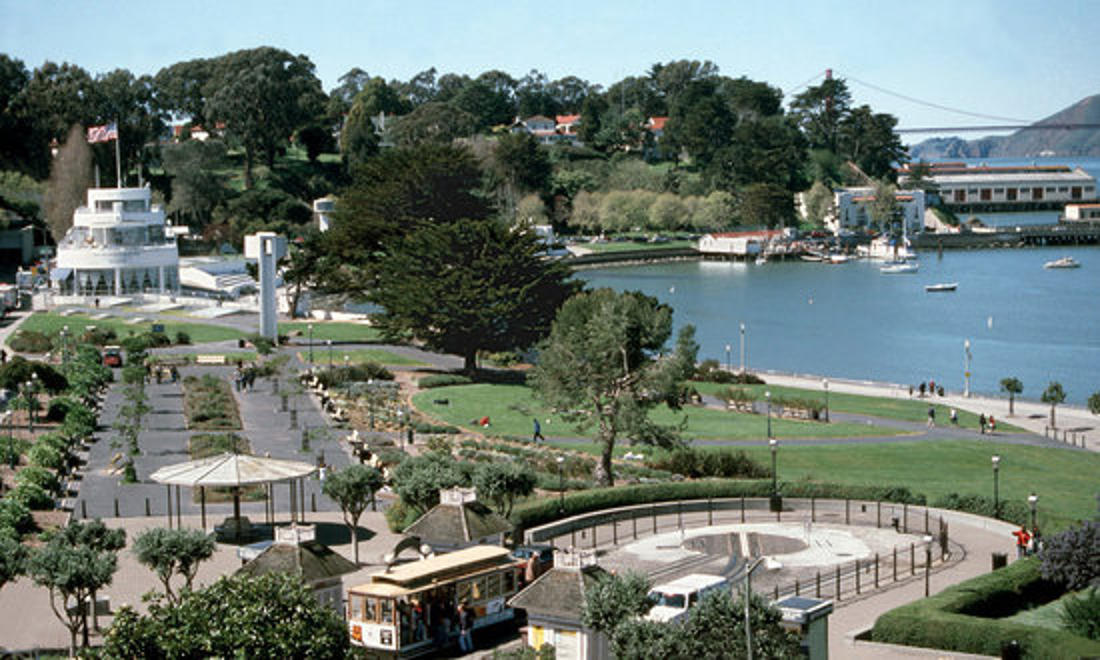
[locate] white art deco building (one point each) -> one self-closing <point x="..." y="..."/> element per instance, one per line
<point x="118" y="245"/>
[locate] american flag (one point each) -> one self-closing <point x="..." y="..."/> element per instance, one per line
<point x="104" y="133"/>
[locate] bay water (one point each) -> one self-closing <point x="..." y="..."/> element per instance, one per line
<point x="852" y="321"/>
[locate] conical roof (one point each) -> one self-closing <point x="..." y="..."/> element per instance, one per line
<point x="231" y="470"/>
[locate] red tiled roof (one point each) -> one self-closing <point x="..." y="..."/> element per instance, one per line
<point x="567" y="119"/>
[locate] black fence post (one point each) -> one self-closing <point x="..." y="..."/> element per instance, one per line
<point x="116" y="508"/>
<point x="857" y="577"/>
<point x="147" y="507"/>
<point x="876" y="570"/>
<point x="925" y="520"/>
<point x="614" y="531"/>
<point x="878" y="513"/>
<point x="796" y="589"/>
<point x="84" y="509"/>
<point x="680" y="515"/>
<point x="710" y="511"/>
<point x="593" y="537"/>
<point x="912" y="559"/>
<point x="895" y="564"/>
<point x="838" y="582"/>
<point x="634" y="521"/>
<point x="817" y="585"/>
<point x="905" y="518"/>
<point x="654" y="511"/>
<point x="813" y="509"/>
<point x="847" y="511"/>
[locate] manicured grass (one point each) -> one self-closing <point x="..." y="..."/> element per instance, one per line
<point x="511" y="408"/>
<point x="334" y="330"/>
<point x="230" y="357"/>
<point x="359" y="356"/>
<point x="1045" y="616"/>
<point x="903" y="409"/>
<point x="626" y="246"/>
<point x="51" y="323"/>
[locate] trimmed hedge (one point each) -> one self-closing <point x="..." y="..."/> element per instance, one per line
<point x="1011" y="510"/>
<point x="539" y="511"/>
<point x="946" y="620"/>
<point x="442" y="380"/>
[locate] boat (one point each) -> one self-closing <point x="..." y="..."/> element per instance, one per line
<point x="898" y="268"/>
<point x="887" y="249"/>
<point x="812" y="256"/>
<point x="837" y="259"/>
<point x="1064" y="262"/>
<point x="761" y="260"/>
<point x="942" y="286"/>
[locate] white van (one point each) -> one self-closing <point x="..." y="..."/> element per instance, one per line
<point x="671" y="601"/>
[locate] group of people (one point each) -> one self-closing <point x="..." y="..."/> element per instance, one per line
<point x="987" y="422"/>
<point x="244" y="378"/>
<point x="1027" y="543"/>
<point x="929" y="387"/>
<point x="438" y="615"/>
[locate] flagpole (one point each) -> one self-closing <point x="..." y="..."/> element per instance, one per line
<point x="118" y="157"/>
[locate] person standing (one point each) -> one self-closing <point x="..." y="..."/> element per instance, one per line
<point x="1022" y="540"/>
<point x="954" y="417"/>
<point x="931" y="417"/>
<point x="992" y="424"/>
<point x="981" y="422"/>
<point x="465" y="627"/>
<point x="537" y="435"/>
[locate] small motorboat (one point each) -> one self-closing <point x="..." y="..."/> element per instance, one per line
<point x="942" y="286"/>
<point x="761" y="260"/>
<point x="1064" y="262"/>
<point x="897" y="268"/>
<point x="837" y="259"/>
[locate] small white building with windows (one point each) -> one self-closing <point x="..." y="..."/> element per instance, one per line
<point x="852" y="212"/>
<point x="119" y="244"/>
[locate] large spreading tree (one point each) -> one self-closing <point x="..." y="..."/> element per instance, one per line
<point x="469" y="286"/>
<point x="603" y="365"/>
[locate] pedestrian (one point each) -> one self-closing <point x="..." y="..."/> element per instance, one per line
<point x="238" y="378"/>
<point x="931" y="387"/>
<point x="931" y="417"/>
<point x="1022" y="539"/>
<point x="910" y="391"/>
<point x="97" y="303"/>
<point x="992" y="424"/>
<point x="981" y="422"/>
<point x="175" y="374"/>
<point x="538" y="432"/>
<point x="954" y="417"/>
<point x="465" y="627"/>
<point x="920" y="388"/>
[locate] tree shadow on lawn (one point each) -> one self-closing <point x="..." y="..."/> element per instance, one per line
<point x="483" y="375"/>
<point x="330" y="533"/>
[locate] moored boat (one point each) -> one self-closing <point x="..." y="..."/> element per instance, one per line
<point x="1064" y="262"/>
<point x="898" y="268"/>
<point x="942" y="286"/>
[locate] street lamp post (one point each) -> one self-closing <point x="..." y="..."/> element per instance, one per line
<point x="1032" y="501"/>
<point x="927" y="562"/>
<point x="966" y="372"/>
<point x="64" y="344"/>
<point x="748" y="594"/>
<point x="29" y="393"/>
<point x="768" y="399"/>
<point x="561" y="485"/>
<point x="729" y="367"/>
<point x="825" y="384"/>
<point x="996" y="493"/>
<point x="329" y="342"/>
<point x="774" y="445"/>
<point x="742" y="348"/>
<point x="310" y="326"/>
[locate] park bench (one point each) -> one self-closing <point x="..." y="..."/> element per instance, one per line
<point x="210" y="359"/>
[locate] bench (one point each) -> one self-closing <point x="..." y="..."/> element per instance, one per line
<point x="210" y="359"/>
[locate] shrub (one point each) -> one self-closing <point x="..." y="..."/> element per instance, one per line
<point x="44" y="455"/>
<point x="1011" y="510"/>
<point x="15" y="515"/>
<point x="183" y="338"/>
<point x="400" y="515"/>
<point x="39" y="476"/>
<point x="30" y="341"/>
<point x="1072" y="558"/>
<point x="99" y="336"/>
<point x="693" y="463"/>
<point x="425" y="428"/>
<point x="355" y="373"/>
<point x="442" y="380"/>
<point x="263" y="345"/>
<point x="32" y="496"/>
<point x="59" y="407"/>
<point x="1081" y="613"/>
<point x="19" y="370"/>
<point x="711" y="371"/>
<point x="80" y="422"/>
<point x="503" y="358"/>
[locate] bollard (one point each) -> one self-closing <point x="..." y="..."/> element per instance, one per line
<point x="876" y="570"/>
<point x="84" y="509"/>
<point x="847" y="511"/>
<point x="813" y="509"/>
<point x="572" y="537"/>
<point x="817" y="585"/>
<point x="615" y="531"/>
<point x="895" y="564"/>
<point x="838" y="582"/>
<point x="680" y="515"/>
<point x="742" y="508"/>
<point x="116" y="508"/>
<point x="654" y="513"/>
<point x="905" y="518"/>
<point x="857" y="577"/>
<point x="878" y="514"/>
<point x="796" y="590"/>
<point x="634" y="520"/>
<point x="313" y="502"/>
<point x="925" y="520"/>
<point x="710" y="512"/>
<point x="912" y="559"/>
<point x="593" y="537"/>
<point x="776" y="596"/>
<point x="147" y="507"/>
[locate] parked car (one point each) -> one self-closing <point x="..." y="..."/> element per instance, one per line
<point x="112" y="356"/>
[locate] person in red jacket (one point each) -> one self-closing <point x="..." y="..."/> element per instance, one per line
<point x="1022" y="539"/>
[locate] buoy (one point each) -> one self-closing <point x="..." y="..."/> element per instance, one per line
<point x="989" y="322"/>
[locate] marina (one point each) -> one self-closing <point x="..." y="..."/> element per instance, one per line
<point x="1023" y="321"/>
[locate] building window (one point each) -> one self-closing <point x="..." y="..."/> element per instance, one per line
<point x="1090" y="189"/>
<point x="1010" y="194"/>
<point x="1050" y="189"/>
<point x="1063" y="189"/>
<point x="1036" y="193"/>
<point x="960" y="195"/>
<point x="998" y="191"/>
<point x="986" y="195"/>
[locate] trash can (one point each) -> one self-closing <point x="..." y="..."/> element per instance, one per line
<point x="1000" y="560"/>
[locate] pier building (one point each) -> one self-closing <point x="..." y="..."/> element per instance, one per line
<point x="1014" y="188"/>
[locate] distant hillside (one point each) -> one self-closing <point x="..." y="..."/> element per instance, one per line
<point x="1026" y="143"/>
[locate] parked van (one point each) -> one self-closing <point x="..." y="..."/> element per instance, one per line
<point x="671" y="601"/>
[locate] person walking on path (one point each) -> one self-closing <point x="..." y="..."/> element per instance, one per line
<point x="931" y="417"/>
<point x="537" y="435"/>
<point x="954" y="417"/>
<point x="465" y="627"/>
<point x="981" y="422"/>
<point x="992" y="424"/>
<point x="1022" y="540"/>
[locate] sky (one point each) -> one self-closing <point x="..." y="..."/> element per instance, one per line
<point x="1002" y="58"/>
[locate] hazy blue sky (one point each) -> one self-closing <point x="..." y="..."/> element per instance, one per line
<point x="1013" y="59"/>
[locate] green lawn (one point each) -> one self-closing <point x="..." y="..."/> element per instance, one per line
<point x="1045" y="616"/>
<point x="626" y="246"/>
<point x="511" y="408"/>
<point x="359" y="356"/>
<point x="51" y="323"/>
<point x="334" y="330"/>
<point x="904" y="409"/>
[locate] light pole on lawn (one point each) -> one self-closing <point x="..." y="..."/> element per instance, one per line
<point x="774" y="445"/>
<point x="310" y="326"/>
<point x="966" y="371"/>
<point x="825" y="384"/>
<point x="768" y="399"/>
<point x="996" y="493"/>
<point x="1033" y="502"/>
<point x="742" y="348"/>
<point x="561" y="485"/>
<point x="729" y="366"/>
<point x="329" y="342"/>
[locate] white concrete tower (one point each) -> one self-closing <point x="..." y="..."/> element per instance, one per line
<point x="266" y="248"/>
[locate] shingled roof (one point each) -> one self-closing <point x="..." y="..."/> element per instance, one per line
<point x="559" y="592"/>
<point x="311" y="560"/>
<point x="458" y="524"/>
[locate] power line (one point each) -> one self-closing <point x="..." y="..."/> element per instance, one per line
<point x="937" y="106"/>
<point x="805" y="84"/>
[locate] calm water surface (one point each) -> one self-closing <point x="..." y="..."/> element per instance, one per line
<point x="851" y="321"/>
